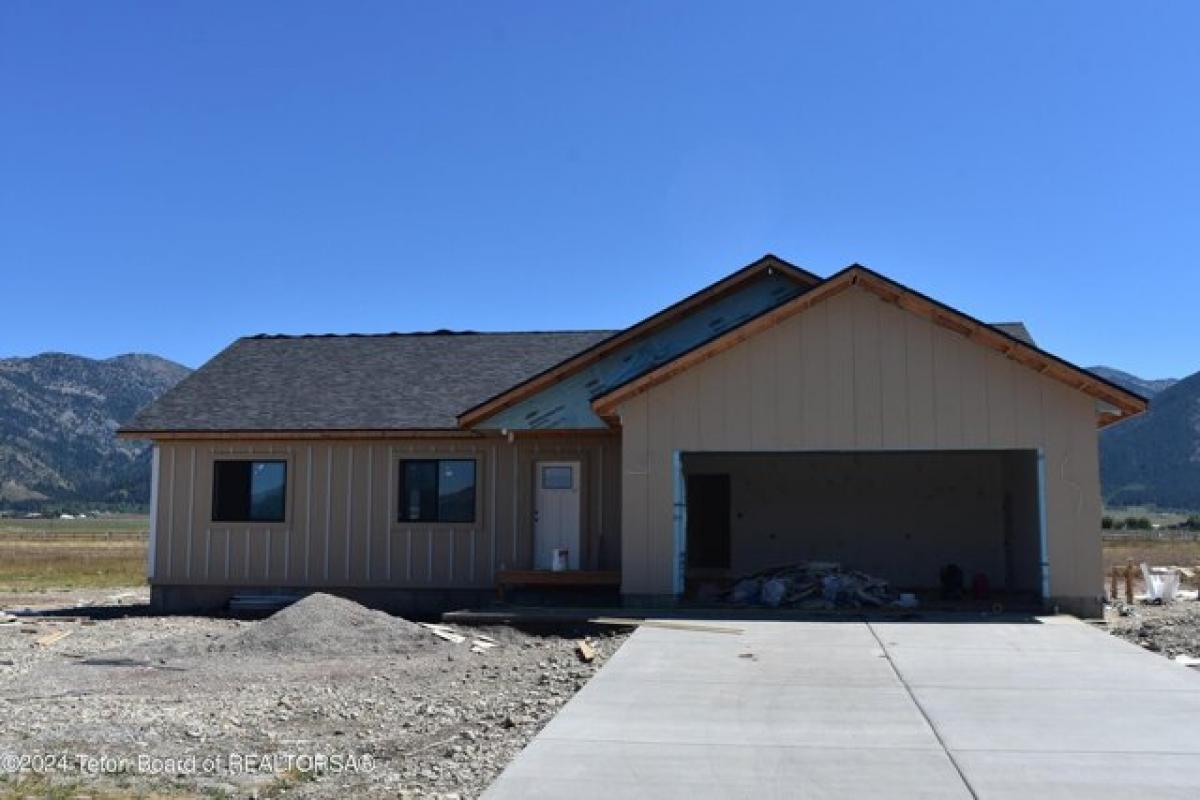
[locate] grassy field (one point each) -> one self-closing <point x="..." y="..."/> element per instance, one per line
<point x="122" y="524"/>
<point x="42" y="554"/>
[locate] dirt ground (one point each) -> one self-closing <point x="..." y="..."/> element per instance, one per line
<point x="330" y="701"/>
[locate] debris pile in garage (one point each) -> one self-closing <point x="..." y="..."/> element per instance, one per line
<point x="814" y="585"/>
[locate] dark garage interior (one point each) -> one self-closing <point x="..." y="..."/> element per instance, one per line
<point x="898" y="515"/>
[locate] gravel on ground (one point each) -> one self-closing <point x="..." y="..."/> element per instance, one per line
<point x="1172" y="629"/>
<point x="325" y="699"/>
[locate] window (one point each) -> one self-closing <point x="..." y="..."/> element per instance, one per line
<point x="249" y="491"/>
<point x="437" y="491"/>
<point x="557" y="477"/>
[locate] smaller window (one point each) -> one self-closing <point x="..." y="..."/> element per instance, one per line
<point x="557" y="477"/>
<point x="437" y="490"/>
<point x="249" y="491"/>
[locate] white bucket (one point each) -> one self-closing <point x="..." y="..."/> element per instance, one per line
<point x="559" y="562"/>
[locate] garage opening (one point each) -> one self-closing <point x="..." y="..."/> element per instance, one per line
<point x="901" y="516"/>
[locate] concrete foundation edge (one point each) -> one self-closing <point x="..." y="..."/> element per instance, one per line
<point x="1083" y="607"/>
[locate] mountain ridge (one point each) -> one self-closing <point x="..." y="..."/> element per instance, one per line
<point x="59" y="414"/>
<point x="1154" y="458"/>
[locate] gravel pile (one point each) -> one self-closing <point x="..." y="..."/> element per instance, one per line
<point x="324" y="677"/>
<point x="324" y="625"/>
<point x="1172" y="629"/>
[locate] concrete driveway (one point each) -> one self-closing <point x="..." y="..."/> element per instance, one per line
<point x="954" y="709"/>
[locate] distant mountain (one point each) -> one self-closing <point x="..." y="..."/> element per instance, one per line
<point x="1146" y="388"/>
<point x="1154" y="459"/>
<point x="58" y="417"/>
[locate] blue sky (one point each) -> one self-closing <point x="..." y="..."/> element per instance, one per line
<point x="174" y="175"/>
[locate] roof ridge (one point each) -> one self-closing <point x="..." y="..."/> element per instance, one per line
<point x="440" y="332"/>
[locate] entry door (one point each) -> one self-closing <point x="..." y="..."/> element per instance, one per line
<point x="556" y="512"/>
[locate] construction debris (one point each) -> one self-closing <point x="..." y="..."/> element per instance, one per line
<point x="811" y="585"/>
<point x="1162" y="583"/>
<point x="663" y="623"/>
<point x="443" y="632"/>
<point x="587" y="653"/>
<point x="52" y="637"/>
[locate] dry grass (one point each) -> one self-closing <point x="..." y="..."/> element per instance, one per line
<point x="1156" y="553"/>
<point x="1166" y="553"/>
<point x="62" y="562"/>
<point x="72" y="553"/>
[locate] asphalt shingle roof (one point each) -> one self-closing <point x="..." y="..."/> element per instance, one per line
<point x="373" y="382"/>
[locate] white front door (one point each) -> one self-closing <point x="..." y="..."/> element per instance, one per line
<point x="556" y="512"/>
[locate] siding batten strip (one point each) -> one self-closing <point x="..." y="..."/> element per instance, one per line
<point x="370" y="507"/>
<point x="516" y="480"/>
<point x="429" y="554"/>
<point x="308" y="470"/>
<point x="408" y="556"/>
<point x="171" y="518"/>
<point x="391" y="493"/>
<point x="493" y="473"/>
<point x="328" y="505"/>
<point x="191" y="512"/>
<point x="598" y="547"/>
<point x="207" y="553"/>
<point x="349" y="504"/>
<point x="228" y="553"/>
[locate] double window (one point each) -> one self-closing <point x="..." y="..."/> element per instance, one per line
<point x="249" y="491"/>
<point x="437" y="490"/>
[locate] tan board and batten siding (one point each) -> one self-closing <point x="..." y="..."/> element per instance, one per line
<point x="341" y="528"/>
<point x="857" y="373"/>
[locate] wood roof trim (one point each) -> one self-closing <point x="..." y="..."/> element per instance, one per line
<point x="570" y="366"/>
<point x="258" y="435"/>
<point x="1005" y="344"/>
<point x="856" y="275"/>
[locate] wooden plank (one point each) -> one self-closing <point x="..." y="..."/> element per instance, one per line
<point x="50" y="638"/>
<point x="666" y="624"/>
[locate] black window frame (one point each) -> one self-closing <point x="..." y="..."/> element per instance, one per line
<point x="436" y="505"/>
<point x="248" y="516"/>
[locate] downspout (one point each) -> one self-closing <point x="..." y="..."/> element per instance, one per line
<point x="679" y="523"/>
<point x="1043" y="542"/>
